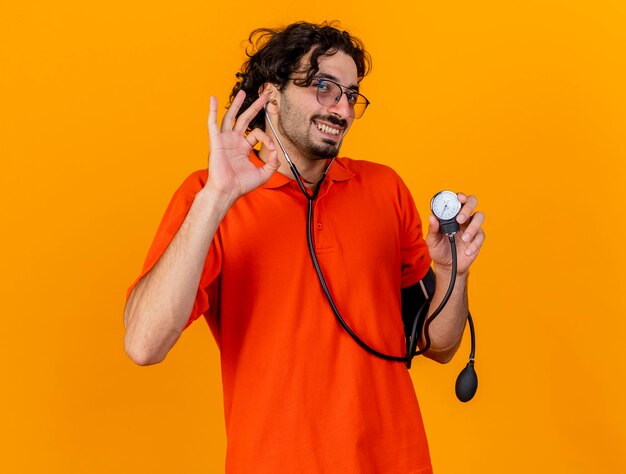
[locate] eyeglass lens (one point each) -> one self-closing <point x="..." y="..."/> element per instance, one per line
<point x="329" y="93"/>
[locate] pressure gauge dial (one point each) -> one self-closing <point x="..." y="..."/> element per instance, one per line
<point x="446" y="206"/>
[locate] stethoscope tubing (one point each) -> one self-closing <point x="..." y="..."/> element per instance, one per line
<point x="407" y="359"/>
<point x="411" y="352"/>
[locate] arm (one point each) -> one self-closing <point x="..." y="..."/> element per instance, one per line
<point x="159" y="306"/>
<point x="446" y="330"/>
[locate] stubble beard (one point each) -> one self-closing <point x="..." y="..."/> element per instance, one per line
<point x="301" y="139"/>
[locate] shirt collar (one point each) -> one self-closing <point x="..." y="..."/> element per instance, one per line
<point x="338" y="172"/>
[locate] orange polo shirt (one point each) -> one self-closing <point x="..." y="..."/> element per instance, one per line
<point x="300" y="396"/>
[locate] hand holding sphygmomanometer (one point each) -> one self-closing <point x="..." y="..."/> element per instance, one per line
<point x="445" y="206"/>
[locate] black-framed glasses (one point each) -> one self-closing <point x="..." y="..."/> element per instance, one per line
<point x="329" y="93"/>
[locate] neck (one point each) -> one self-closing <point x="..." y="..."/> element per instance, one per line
<point x="310" y="170"/>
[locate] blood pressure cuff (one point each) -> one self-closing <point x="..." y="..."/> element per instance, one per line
<point x="413" y="298"/>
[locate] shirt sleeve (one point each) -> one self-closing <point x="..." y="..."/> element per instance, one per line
<point x="414" y="251"/>
<point x="173" y="218"/>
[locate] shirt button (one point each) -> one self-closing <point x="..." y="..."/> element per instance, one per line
<point x="319" y="226"/>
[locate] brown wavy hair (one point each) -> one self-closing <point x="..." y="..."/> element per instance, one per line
<point x="275" y="54"/>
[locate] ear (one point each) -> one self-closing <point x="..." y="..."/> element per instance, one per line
<point x="274" y="93"/>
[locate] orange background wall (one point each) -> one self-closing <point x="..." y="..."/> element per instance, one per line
<point x="103" y="110"/>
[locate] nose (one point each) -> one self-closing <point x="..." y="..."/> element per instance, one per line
<point x="342" y="107"/>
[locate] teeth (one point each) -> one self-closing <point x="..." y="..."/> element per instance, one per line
<point x="326" y="129"/>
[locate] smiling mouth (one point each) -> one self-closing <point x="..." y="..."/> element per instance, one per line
<point x="322" y="127"/>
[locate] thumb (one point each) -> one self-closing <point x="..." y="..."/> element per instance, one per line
<point x="272" y="164"/>
<point x="272" y="160"/>
<point x="433" y="230"/>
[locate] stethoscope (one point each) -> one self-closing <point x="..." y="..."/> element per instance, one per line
<point x="445" y="206"/>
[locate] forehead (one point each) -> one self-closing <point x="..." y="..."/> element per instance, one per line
<point x="338" y="66"/>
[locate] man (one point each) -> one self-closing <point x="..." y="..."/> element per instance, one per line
<point x="300" y="395"/>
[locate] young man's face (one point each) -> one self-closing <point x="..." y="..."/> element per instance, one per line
<point x="317" y="130"/>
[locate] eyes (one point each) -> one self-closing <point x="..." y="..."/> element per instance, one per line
<point x="352" y="97"/>
<point x="333" y="91"/>
<point x="329" y="93"/>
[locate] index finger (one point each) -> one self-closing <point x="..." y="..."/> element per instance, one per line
<point x="469" y="204"/>
<point x="231" y="113"/>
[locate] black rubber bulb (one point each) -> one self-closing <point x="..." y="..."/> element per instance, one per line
<point x="466" y="383"/>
